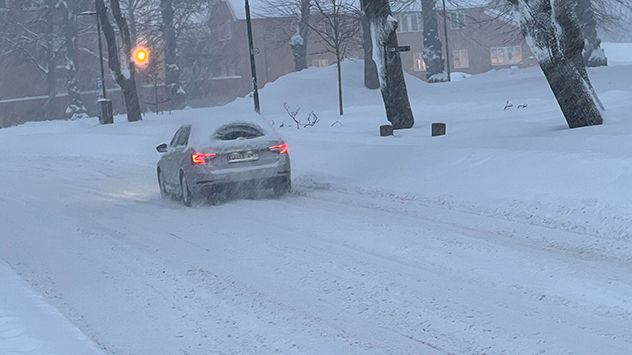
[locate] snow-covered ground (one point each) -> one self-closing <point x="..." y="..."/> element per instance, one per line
<point x="618" y="53"/>
<point x="30" y="326"/>
<point x="509" y="235"/>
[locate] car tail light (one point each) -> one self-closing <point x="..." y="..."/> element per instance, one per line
<point x="281" y="148"/>
<point x="199" y="158"/>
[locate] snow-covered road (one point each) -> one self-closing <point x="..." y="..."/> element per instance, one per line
<point x="322" y="271"/>
<point x="509" y="235"/>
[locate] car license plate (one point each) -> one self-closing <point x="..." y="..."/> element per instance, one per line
<point x="242" y="156"/>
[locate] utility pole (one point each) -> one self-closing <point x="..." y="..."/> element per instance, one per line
<point x="253" y="68"/>
<point x="447" y="48"/>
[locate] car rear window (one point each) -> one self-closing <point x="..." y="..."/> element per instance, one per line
<point x="238" y="131"/>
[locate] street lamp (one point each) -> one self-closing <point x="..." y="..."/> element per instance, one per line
<point x="89" y="13"/>
<point x="140" y="56"/>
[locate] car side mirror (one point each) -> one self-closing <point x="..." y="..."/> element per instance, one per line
<point x="162" y="148"/>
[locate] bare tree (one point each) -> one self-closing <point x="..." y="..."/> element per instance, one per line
<point x="336" y="24"/>
<point x="291" y="18"/>
<point x="159" y="25"/>
<point x="70" y="9"/>
<point x="299" y="42"/>
<point x="172" y="70"/>
<point x="432" y="53"/>
<point x="593" y="54"/>
<point x="32" y="33"/>
<point x="554" y="35"/>
<point x="389" y="64"/>
<point x="140" y="14"/>
<point x="125" y="77"/>
<point x="198" y="57"/>
<point x="371" y="79"/>
<point x="608" y="15"/>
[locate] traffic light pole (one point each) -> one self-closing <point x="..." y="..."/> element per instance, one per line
<point x="253" y="68"/>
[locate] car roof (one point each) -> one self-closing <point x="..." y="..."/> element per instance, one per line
<point x="203" y="129"/>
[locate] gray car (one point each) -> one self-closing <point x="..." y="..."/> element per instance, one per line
<point x="206" y="160"/>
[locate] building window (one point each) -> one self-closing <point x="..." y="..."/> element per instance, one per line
<point x="506" y="55"/>
<point x="460" y="59"/>
<point x="457" y="20"/>
<point x="409" y="22"/>
<point x="418" y="62"/>
<point x="223" y="31"/>
<point x="320" y="63"/>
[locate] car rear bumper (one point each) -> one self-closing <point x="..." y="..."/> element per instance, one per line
<point x="206" y="179"/>
<point x="209" y="188"/>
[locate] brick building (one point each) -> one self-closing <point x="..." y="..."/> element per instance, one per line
<point x="479" y="40"/>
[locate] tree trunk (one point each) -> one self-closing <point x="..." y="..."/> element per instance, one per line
<point x="130" y="95"/>
<point x="51" y="75"/>
<point x="172" y="70"/>
<point x="125" y="79"/>
<point x="75" y="107"/>
<point x="573" y="42"/>
<point x="298" y="43"/>
<point x="389" y="64"/>
<point x="593" y="54"/>
<point x="371" y="80"/>
<point x="338" y="59"/>
<point x="51" y="85"/>
<point x="551" y="29"/>
<point x="432" y="52"/>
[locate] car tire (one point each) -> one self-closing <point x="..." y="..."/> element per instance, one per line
<point x="282" y="189"/>
<point x="185" y="192"/>
<point x="161" y="185"/>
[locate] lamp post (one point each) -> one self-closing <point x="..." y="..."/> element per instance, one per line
<point x="447" y="48"/>
<point x="105" y="106"/>
<point x="88" y="13"/>
<point x="253" y="68"/>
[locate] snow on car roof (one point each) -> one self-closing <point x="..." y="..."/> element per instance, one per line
<point x="203" y="129"/>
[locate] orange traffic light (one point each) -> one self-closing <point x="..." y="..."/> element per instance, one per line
<point x="140" y="56"/>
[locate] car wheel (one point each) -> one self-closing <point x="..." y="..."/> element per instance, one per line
<point x="282" y="188"/>
<point x="161" y="184"/>
<point x="187" y="196"/>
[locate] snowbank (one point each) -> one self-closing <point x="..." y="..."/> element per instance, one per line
<point x="618" y="53"/>
<point x="30" y="326"/>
